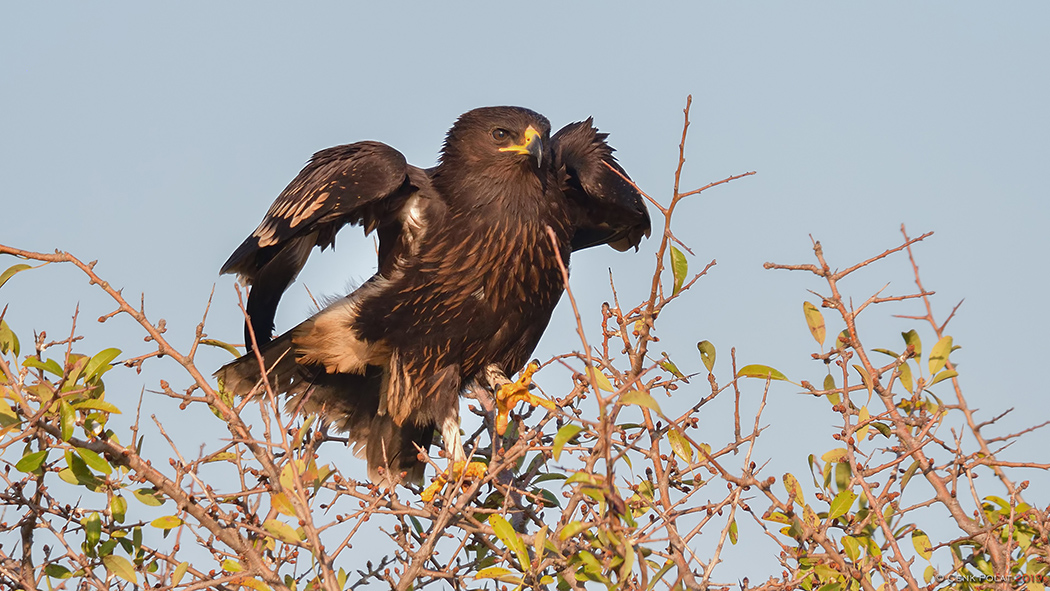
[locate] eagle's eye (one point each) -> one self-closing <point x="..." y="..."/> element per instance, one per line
<point x="500" y="134"/>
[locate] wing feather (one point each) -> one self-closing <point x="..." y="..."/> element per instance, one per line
<point x="608" y="209"/>
<point x="365" y="183"/>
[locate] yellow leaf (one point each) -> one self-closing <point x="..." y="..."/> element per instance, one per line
<point x="180" y="571"/>
<point x="905" y="377"/>
<point x="231" y="566"/>
<point x="922" y="544"/>
<point x="939" y="354"/>
<point x="866" y="378"/>
<point x="281" y="531"/>
<point x="680" y="446"/>
<point x="505" y="531"/>
<point x="563" y="436"/>
<point x="679" y="268"/>
<point x="641" y="399"/>
<point x="760" y="371"/>
<point x="793" y="488"/>
<point x="121" y="567"/>
<point x="815" y="321"/>
<point x="863" y="417"/>
<point x="602" y="381"/>
<point x="707" y="354"/>
<point x="166" y="522"/>
<point x="282" y="504"/>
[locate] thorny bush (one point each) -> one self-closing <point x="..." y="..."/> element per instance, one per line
<point x="578" y="497"/>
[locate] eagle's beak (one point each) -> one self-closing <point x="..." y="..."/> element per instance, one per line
<point x="532" y="145"/>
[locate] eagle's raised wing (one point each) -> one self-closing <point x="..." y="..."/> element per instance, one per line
<point x="608" y="209"/>
<point x="365" y="183"/>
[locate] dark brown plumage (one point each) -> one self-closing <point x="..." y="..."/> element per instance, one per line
<point x="467" y="277"/>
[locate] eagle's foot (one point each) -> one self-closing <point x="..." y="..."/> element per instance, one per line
<point x="469" y="472"/>
<point x="509" y="395"/>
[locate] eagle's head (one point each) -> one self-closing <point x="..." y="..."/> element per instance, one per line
<point x="499" y="138"/>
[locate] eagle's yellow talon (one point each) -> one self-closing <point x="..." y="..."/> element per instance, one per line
<point x="470" y="472"/>
<point x="509" y="395"/>
<point x="428" y="493"/>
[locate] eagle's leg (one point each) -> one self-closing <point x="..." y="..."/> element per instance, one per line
<point x="510" y="394"/>
<point x="454" y="450"/>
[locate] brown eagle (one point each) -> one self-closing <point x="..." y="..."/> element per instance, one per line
<point x="467" y="276"/>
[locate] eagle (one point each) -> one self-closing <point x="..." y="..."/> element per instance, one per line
<point x="466" y="280"/>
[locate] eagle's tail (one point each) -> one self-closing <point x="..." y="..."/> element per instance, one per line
<point x="347" y="402"/>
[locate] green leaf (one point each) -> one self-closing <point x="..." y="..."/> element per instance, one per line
<point x="166" y="522"/>
<point x="222" y="345"/>
<point x="92" y="528"/>
<point x="583" y="477"/>
<point x="815" y="321"/>
<point x="680" y="445"/>
<point x="909" y="473"/>
<point x="680" y="268"/>
<point x="733" y="532"/>
<point x="571" y="529"/>
<point x="944" y="375"/>
<point x="57" y="571"/>
<point x="7" y="416"/>
<point x="231" y="566"/>
<point x="641" y="399"/>
<point x="510" y="538"/>
<point x="922" y="544"/>
<point x="10" y="272"/>
<point x="99" y="364"/>
<point x="149" y="497"/>
<point x="180" y="571"/>
<point x="121" y="567"/>
<point x="281" y="531"/>
<point x="707" y="354"/>
<point x="886" y="352"/>
<point x="118" y="508"/>
<point x="882" y="428"/>
<point x="671" y="368"/>
<point x="852" y="547"/>
<point x="566" y="433"/>
<point x="94" y="404"/>
<point x="51" y="366"/>
<point x="939" y="354"/>
<point x="94" y="460"/>
<point x="760" y="371"/>
<point x="841" y="504"/>
<point x="660" y="573"/>
<point x="912" y="338"/>
<point x="628" y="561"/>
<point x="548" y="499"/>
<point x="68" y="418"/>
<point x="30" y="463"/>
<point x="8" y="339"/>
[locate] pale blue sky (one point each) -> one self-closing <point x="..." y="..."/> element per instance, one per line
<point x="153" y="137"/>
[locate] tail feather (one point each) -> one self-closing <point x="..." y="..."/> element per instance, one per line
<point x="347" y="402"/>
